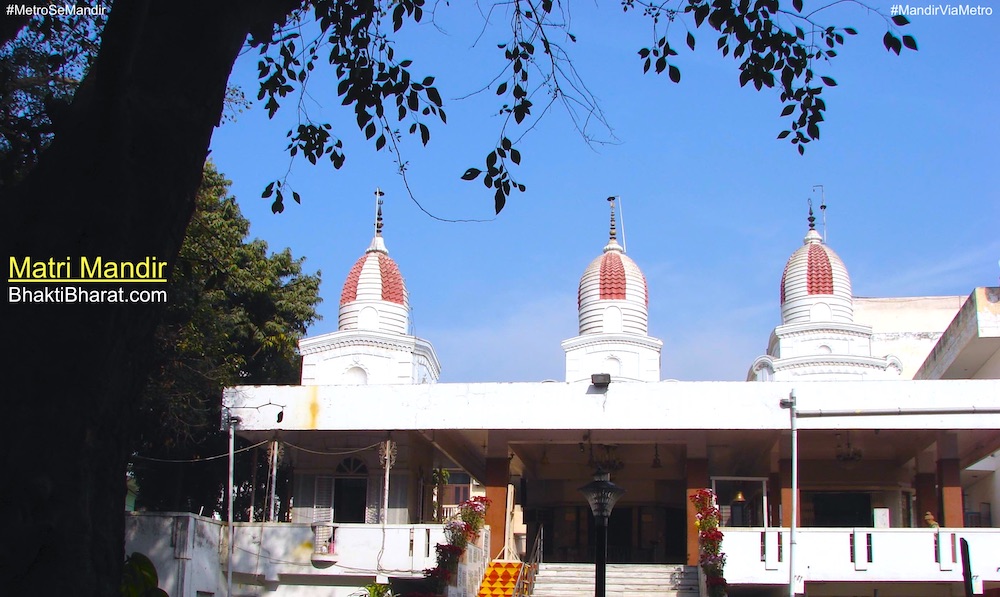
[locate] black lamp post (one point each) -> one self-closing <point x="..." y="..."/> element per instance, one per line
<point x="601" y="494"/>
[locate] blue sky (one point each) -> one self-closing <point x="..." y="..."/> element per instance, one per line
<point x="713" y="203"/>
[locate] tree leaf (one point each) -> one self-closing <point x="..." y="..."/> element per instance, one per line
<point x="471" y="174"/>
<point x="690" y="40"/>
<point x="909" y="42"/>
<point x="829" y="81"/>
<point x="675" y="74"/>
<point x="900" y="20"/>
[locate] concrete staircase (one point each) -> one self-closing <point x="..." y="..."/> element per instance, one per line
<point x="623" y="580"/>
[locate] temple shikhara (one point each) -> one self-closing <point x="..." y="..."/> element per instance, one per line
<point x="859" y="457"/>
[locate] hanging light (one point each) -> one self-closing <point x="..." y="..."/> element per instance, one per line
<point x="847" y="453"/>
<point x="739" y="497"/>
<point x="656" y="457"/>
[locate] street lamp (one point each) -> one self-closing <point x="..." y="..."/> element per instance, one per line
<point x="602" y="495"/>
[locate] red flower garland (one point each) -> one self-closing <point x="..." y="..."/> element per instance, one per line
<point x="710" y="556"/>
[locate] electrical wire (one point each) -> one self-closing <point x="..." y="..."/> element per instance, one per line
<point x="216" y="457"/>
<point x="343" y="453"/>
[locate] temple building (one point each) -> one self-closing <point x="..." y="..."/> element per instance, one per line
<point x="890" y="428"/>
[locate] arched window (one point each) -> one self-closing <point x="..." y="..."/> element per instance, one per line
<point x="820" y="312"/>
<point x="612" y="320"/>
<point x="352" y="466"/>
<point x="368" y="319"/>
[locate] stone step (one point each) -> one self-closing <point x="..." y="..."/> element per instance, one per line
<point x="548" y="591"/>
<point x="635" y="580"/>
<point x="584" y="590"/>
<point x="649" y="580"/>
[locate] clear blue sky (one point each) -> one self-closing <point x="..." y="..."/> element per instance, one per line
<point x="713" y="204"/>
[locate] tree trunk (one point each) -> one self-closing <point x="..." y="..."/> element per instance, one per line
<point x="118" y="182"/>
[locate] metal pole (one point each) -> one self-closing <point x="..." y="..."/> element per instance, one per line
<point x="273" y="474"/>
<point x="387" y="463"/>
<point x="601" y="557"/>
<point x="229" y="555"/>
<point x="792" y="415"/>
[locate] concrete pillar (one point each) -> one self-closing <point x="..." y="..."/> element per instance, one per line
<point x="949" y="483"/>
<point x="926" y="498"/>
<point x="497" y="478"/>
<point x="697" y="478"/>
<point x="785" y="474"/>
<point x="950" y="486"/>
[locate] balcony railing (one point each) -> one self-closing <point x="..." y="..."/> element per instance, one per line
<point x="760" y="556"/>
<point x="274" y="549"/>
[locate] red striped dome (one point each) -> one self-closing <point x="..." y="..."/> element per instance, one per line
<point x="815" y="285"/>
<point x="374" y="295"/>
<point x="613" y="296"/>
<point x="381" y="279"/>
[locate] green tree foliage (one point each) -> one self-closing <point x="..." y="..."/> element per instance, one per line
<point x="235" y="316"/>
<point x="40" y="70"/>
<point x="139" y="578"/>
<point x="774" y="46"/>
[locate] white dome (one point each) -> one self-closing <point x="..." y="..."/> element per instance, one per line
<point x="374" y="295"/>
<point x="815" y="286"/>
<point x="613" y="297"/>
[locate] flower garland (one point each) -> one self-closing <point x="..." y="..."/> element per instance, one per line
<point x="710" y="556"/>
<point x="458" y="532"/>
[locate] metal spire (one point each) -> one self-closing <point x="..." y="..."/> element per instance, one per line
<point x="812" y="218"/>
<point x="614" y="233"/>
<point x="378" y="211"/>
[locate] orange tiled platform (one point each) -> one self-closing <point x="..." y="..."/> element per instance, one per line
<point x="499" y="579"/>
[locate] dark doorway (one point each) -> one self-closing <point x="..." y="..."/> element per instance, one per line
<point x="842" y="509"/>
<point x="349" y="496"/>
<point x="675" y="532"/>
<point x="620" y="536"/>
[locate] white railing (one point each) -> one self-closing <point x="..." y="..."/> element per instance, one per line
<point x="760" y="556"/>
<point x="270" y="550"/>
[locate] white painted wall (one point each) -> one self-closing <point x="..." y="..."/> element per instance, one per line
<point x="907" y="327"/>
<point x="626" y="357"/>
<point x="385" y="358"/>
<point x="185" y="548"/>
<point x="824" y="555"/>
<point x="276" y="559"/>
<point x="663" y="405"/>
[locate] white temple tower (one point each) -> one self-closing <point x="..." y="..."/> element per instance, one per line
<point x="613" y="307"/>
<point x="372" y="344"/>
<point x="817" y="338"/>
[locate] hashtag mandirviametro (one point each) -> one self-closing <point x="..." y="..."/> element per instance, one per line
<point x="55" y="10"/>
<point x="940" y="10"/>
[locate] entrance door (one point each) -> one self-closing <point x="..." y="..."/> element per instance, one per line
<point x="349" y="496"/>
